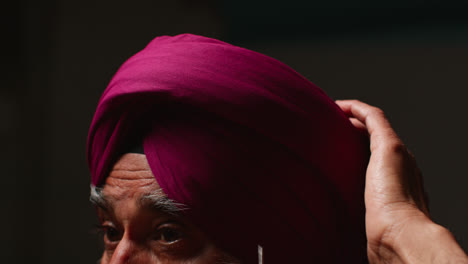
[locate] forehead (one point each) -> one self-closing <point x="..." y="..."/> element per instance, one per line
<point x="130" y="178"/>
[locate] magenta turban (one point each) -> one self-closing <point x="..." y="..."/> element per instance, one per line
<point x="259" y="154"/>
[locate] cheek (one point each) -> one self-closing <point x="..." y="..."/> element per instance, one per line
<point x="213" y="255"/>
<point x="178" y="252"/>
<point x="191" y="251"/>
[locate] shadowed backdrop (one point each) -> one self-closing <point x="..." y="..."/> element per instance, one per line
<point x="408" y="57"/>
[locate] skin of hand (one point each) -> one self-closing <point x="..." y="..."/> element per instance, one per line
<point x="398" y="225"/>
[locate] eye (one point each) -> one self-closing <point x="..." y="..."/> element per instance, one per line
<point x="111" y="234"/>
<point x="177" y="240"/>
<point x="169" y="233"/>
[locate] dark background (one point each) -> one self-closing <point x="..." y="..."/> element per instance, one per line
<point x="408" y="57"/>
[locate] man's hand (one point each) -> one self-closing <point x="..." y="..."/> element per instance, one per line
<point x="398" y="225"/>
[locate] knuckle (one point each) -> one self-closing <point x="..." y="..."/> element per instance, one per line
<point x="397" y="147"/>
<point x="377" y="111"/>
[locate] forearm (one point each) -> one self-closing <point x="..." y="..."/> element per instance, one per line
<point x="424" y="242"/>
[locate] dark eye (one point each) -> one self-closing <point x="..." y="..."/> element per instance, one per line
<point x="111" y="234"/>
<point x="169" y="235"/>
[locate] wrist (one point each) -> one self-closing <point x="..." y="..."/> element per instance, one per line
<point x="420" y="240"/>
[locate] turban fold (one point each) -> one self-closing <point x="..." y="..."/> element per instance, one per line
<point x="259" y="154"/>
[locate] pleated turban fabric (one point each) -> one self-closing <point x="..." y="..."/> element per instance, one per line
<point x="259" y="154"/>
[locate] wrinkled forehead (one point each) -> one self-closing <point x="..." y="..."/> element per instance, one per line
<point x="131" y="183"/>
<point x="130" y="176"/>
<point x="131" y="162"/>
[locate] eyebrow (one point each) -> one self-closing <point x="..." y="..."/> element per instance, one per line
<point x="97" y="198"/>
<point x="156" y="200"/>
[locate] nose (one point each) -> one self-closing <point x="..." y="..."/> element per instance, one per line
<point x="128" y="252"/>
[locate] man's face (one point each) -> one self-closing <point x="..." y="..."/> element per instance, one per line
<point x="137" y="231"/>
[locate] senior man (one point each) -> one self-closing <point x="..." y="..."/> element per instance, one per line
<point x="204" y="152"/>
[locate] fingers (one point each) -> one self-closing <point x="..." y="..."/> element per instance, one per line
<point x="394" y="190"/>
<point x="358" y="124"/>
<point x="373" y="119"/>
<point x="389" y="161"/>
<point x="392" y="171"/>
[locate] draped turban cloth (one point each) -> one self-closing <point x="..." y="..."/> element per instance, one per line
<point x="259" y="154"/>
